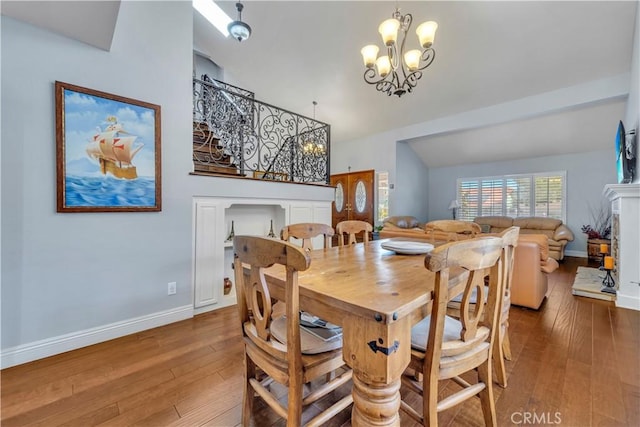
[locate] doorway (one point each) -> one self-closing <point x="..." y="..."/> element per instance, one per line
<point x="354" y="197"/>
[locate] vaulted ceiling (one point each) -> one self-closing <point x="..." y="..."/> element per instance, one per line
<point x="488" y="54"/>
<point x="511" y="79"/>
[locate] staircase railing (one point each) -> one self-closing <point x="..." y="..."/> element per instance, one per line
<point x="235" y="134"/>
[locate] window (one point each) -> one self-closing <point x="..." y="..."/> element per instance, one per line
<point x="541" y="194"/>
<point x="383" y="196"/>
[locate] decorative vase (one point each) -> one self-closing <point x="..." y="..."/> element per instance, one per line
<point x="227" y="285"/>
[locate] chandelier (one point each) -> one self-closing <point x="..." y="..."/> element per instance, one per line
<point x="398" y="71"/>
<point x="312" y="145"/>
<point x="239" y="30"/>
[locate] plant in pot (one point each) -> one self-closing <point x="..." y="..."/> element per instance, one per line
<point x="598" y="230"/>
<point x="376" y="232"/>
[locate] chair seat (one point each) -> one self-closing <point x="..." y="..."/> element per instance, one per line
<point x="452" y="345"/>
<point x="309" y="343"/>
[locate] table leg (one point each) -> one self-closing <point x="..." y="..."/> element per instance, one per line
<point x="375" y="404"/>
<point x="378" y="352"/>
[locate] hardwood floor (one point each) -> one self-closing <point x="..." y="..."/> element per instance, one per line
<point x="576" y="362"/>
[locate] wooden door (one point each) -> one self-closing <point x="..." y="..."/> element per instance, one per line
<point x="354" y="197"/>
<point x="339" y="207"/>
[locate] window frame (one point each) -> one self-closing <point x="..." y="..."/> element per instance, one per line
<point x="532" y="197"/>
<point x="380" y="199"/>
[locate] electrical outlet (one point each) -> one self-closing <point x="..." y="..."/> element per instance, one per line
<point x="171" y="288"/>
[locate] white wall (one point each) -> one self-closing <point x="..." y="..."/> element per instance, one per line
<point x="411" y="188"/>
<point x="73" y="279"/>
<point x="384" y="153"/>
<point x="587" y="174"/>
<point x="69" y="272"/>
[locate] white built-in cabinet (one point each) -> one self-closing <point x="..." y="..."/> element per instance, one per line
<point x="213" y="251"/>
<point x="625" y="241"/>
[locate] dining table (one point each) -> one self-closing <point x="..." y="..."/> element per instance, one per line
<point x="375" y="295"/>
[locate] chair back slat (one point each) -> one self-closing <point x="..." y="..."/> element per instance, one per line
<point x="472" y="306"/>
<point x="353" y="227"/>
<point x="260" y="303"/>
<point x="480" y="257"/>
<point x="307" y="231"/>
<point x="509" y="243"/>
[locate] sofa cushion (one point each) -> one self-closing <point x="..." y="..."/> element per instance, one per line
<point x="541" y="240"/>
<point x="547" y="233"/>
<point x="497" y="223"/>
<point x="452" y="226"/>
<point x="537" y="223"/>
<point x="402" y="222"/>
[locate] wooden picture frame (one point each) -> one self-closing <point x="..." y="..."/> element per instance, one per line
<point x="107" y="152"/>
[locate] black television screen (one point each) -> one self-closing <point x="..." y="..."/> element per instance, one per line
<point x="625" y="154"/>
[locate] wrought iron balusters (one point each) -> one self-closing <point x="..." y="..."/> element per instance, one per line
<point x="236" y="134"/>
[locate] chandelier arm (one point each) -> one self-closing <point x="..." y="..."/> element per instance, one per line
<point x="406" y="23"/>
<point x="392" y="52"/>
<point x="412" y="80"/>
<point x="387" y="87"/>
<point x="370" y="76"/>
<point x="428" y="56"/>
<point x="396" y="80"/>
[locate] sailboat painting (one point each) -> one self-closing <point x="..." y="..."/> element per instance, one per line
<point x="108" y="152"/>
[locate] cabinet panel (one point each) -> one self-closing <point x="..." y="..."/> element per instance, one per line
<point x="213" y="254"/>
<point x="310" y="212"/>
<point x="209" y="254"/>
<point x="300" y="213"/>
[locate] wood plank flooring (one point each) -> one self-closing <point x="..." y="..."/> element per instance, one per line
<point x="576" y="362"/>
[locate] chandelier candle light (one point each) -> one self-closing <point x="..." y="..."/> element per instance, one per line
<point x="398" y="71"/>
<point x="310" y="145"/>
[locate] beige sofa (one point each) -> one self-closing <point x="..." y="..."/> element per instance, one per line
<point x="443" y="230"/>
<point x="531" y="265"/>
<point x="402" y="226"/>
<point x="558" y="235"/>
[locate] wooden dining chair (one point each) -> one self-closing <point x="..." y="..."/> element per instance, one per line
<point x="278" y="347"/>
<point x="502" y="350"/>
<point x="444" y="347"/>
<point x="307" y="231"/>
<point x="352" y="228"/>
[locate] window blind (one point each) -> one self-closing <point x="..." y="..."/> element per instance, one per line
<point x="541" y="194"/>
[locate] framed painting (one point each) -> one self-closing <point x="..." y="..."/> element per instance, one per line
<point x="107" y="152"/>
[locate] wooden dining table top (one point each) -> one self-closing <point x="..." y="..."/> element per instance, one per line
<point x="363" y="279"/>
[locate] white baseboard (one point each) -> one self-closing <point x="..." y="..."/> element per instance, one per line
<point x="626" y="301"/>
<point x="578" y="254"/>
<point x="48" y="347"/>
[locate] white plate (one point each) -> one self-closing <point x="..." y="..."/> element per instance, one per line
<point x="407" y="247"/>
